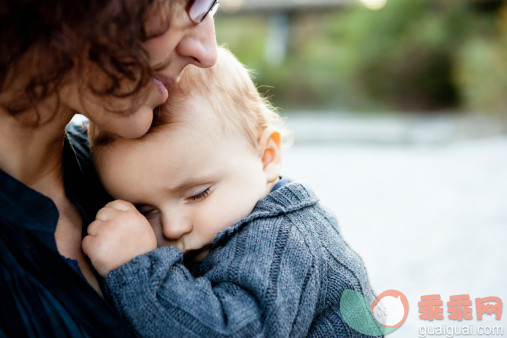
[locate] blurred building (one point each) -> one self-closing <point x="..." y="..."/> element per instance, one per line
<point x="285" y="6"/>
<point x="281" y="13"/>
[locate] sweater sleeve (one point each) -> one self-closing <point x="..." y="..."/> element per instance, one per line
<point x="261" y="283"/>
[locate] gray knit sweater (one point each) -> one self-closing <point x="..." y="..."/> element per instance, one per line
<point x="279" y="272"/>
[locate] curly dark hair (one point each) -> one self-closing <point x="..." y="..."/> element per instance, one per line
<point x="57" y="35"/>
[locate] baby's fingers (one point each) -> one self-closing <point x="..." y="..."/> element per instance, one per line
<point x="99" y="254"/>
<point x="120" y="205"/>
<point x="113" y="209"/>
<point x="88" y="245"/>
<point x="94" y="228"/>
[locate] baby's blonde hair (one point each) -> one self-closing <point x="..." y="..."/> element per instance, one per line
<point x="227" y="89"/>
<point x="230" y="93"/>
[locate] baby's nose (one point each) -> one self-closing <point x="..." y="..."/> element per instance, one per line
<point x="176" y="226"/>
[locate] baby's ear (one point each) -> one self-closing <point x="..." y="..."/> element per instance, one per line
<point x="270" y="144"/>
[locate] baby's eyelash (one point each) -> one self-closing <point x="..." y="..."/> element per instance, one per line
<point x="200" y="196"/>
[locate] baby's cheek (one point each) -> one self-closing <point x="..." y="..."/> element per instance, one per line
<point x="212" y="220"/>
<point x="210" y="223"/>
<point x="222" y="211"/>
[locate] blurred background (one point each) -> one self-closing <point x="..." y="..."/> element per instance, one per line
<point x="398" y="110"/>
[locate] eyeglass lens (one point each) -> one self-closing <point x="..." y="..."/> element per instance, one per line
<point x="199" y="9"/>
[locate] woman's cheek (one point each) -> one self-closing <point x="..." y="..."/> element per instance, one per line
<point x="159" y="48"/>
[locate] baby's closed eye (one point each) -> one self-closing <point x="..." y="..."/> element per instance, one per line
<point x="199" y="194"/>
<point x="147" y="211"/>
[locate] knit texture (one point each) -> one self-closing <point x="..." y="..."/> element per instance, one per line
<point x="279" y="272"/>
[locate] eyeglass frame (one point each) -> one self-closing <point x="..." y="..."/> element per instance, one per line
<point x="213" y="6"/>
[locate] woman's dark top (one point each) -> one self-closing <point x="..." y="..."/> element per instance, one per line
<point x="42" y="293"/>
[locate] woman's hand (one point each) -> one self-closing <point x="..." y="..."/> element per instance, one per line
<point x="118" y="234"/>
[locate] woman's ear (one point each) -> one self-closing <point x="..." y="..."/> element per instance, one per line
<point x="270" y="144"/>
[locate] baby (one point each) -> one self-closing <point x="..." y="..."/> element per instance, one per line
<point x="241" y="251"/>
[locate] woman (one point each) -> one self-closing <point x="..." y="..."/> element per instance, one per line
<point x="110" y="60"/>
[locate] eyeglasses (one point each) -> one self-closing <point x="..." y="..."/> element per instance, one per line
<point x="197" y="10"/>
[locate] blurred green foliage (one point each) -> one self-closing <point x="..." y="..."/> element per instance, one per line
<point x="481" y="72"/>
<point x="410" y="55"/>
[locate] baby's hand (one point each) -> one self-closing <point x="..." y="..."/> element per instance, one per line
<point x="118" y="234"/>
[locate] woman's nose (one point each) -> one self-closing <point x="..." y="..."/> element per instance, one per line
<point x="175" y="226"/>
<point x="200" y="45"/>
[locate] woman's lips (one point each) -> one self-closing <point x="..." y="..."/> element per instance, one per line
<point x="167" y="81"/>
<point x="162" y="90"/>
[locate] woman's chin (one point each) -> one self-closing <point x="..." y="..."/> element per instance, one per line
<point x="133" y="126"/>
<point x="134" y="132"/>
